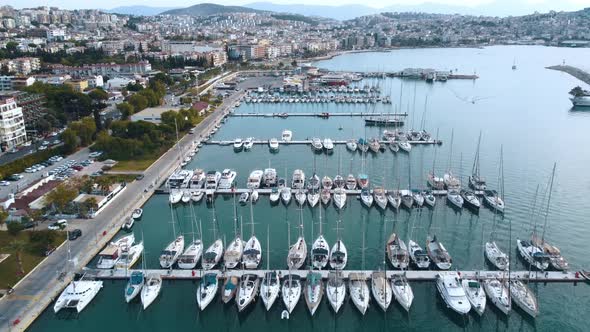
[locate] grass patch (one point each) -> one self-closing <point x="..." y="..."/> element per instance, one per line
<point x="135" y="165"/>
<point x="117" y="178"/>
<point x="31" y="255"/>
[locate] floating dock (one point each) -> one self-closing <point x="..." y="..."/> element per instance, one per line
<point x="308" y="142"/>
<point x="533" y="276"/>
<point x="315" y="115"/>
<point x="267" y="191"/>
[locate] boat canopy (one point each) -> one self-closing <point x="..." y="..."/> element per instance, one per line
<point x="314" y="278"/>
<point x="210" y="255"/>
<point x="251" y="252"/>
<point x="210" y="278"/>
<point x="338" y="254"/>
<point x="320" y="251"/>
<point x="136" y="277"/>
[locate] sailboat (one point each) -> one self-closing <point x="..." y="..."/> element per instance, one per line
<point x="476" y="182"/>
<point x="418" y="256"/>
<point x="298" y="251"/>
<point x="438" y="253"/>
<point x="230" y="288"/>
<point x="366" y="197"/>
<point x="134" y="285"/>
<point x="151" y="289"/>
<point x="435" y="182"/>
<point x="338" y="254"/>
<point x="170" y="254"/>
<point x="314" y="290"/>
<point x="498" y="293"/>
<point x="207" y="290"/>
<point x="192" y="254"/>
<point x="336" y="290"/>
<point x="402" y="291"/>
<point x="357" y="285"/>
<point x="213" y="254"/>
<point x="381" y="289"/>
<point x="397" y="252"/>
<point x="252" y="251"/>
<point x="270" y="287"/>
<point x="291" y="291"/>
<point x="524" y="298"/>
<point x="247" y="291"/>
<point x="380" y="198"/>
<point x="493" y="253"/>
<point x="529" y="251"/>
<point x="450" y="181"/>
<point x="320" y="250"/>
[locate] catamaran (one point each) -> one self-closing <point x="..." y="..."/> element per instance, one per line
<point x="336" y="290"/>
<point x="450" y="289"/>
<point x="247" y="291"/>
<point x="314" y="290"/>
<point x="207" y="290"/>
<point x="77" y="295"/>
<point x="151" y="289"/>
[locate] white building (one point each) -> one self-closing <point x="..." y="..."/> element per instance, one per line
<point x="12" y="125"/>
<point x="95" y="81"/>
<point x="58" y="34"/>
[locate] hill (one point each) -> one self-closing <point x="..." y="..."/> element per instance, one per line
<point x="205" y="9"/>
<point x="138" y="10"/>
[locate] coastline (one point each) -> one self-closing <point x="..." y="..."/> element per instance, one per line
<point x="573" y="71"/>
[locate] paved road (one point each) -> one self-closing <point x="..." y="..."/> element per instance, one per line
<point x="37" y="291"/>
<point x="29" y="178"/>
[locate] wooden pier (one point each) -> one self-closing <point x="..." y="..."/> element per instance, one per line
<point x="424" y="275"/>
<point x="315" y="115"/>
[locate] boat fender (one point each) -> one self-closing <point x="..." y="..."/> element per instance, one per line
<point x="193" y="273"/>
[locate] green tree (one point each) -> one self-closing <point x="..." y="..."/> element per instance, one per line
<point x="294" y="63"/>
<point x="139" y="102"/>
<point x="17" y="246"/>
<point x="126" y="110"/>
<point x="11" y="46"/>
<point x="61" y="196"/>
<point x="70" y="139"/>
<point x="3" y="216"/>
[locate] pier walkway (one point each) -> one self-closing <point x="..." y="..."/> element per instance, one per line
<point x="316" y="115"/>
<point x="308" y="142"/>
<point x="267" y="191"/>
<point x="533" y="276"/>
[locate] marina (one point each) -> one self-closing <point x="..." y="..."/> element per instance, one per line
<point x="316" y="115"/>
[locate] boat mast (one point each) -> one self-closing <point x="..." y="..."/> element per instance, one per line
<point x="434" y="159"/>
<point x="172" y="222"/>
<point x="236" y="218"/>
<point x="252" y="217"/>
<point x="475" y="168"/>
<point x="548" y="202"/>
<point x="450" y="152"/>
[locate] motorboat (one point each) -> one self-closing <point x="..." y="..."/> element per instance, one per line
<point x="286" y="195"/>
<point x="244" y="198"/>
<point x="429" y="198"/>
<point x="108" y="257"/>
<point x="363" y="181"/>
<point x="254" y="195"/>
<point x="227" y="179"/>
<point x="207" y="290"/>
<point x="134" y="285"/>
<point x="273" y="144"/>
<point x="381" y="289"/>
<point x="394" y="146"/>
<point x="402" y="291"/>
<point x="454" y="198"/>
<point x="247" y="291"/>
<point x="339" y="197"/>
<point x="405" y="146"/>
<point x="181" y="178"/>
<point x="230" y="288"/>
<point x="151" y="289"/>
<point x="238" y="144"/>
<point x="475" y="295"/>
<point x="524" y="298"/>
<point x="496" y="256"/>
<point x="248" y="143"/>
<point x="316" y="145"/>
<point x="418" y="256"/>
<point x="336" y="290"/>
<point x="291" y="291"/>
<point x="197" y="196"/>
<point x="314" y="290"/>
<point x="212" y="255"/>
<point x="269" y="289"/>
<point x="298" y="179"/>
<point x="418" y="198"/>
<point x="175" y="196"/>
<point x="300" y="197"/>
<point x="252" y="253"/>
<point x="313" y="183"/>
<point x="328" y="145"/>
<point x="471" y="201"/>
<point x="212" y="180"/>
<point x="327" y="182"/>
<point x="325" y="196"/>
<point x="532" y="254"/>
<point x="438" y="254"/>
<point x="397" y="252"/>
<point x="366" y="197"/>
<point x="77" y="295"/>
<point x="270" y="177"/>
<point x="297" y="254"/>
<point x="287" y="135"/>
<point x="255" y="179"/>
<point x="380" y="198"/>
<point x="436" y="183"/>
<point x="129" y="256"/>
<point x="124" y="242"/>
<point x="493" y="200"/>
<point x="233" y="253"/>
<point x="450" y="289"/>
<point x="191" y="255"/>
<point x="351" y="145"/>
<point x="186" y="196"/>
<point x="350" y="182"/>
<point x="275" y="195"/>
<point x="170" y="254"/>
<point x="359" y="291"/>
<point x="407" y="198"/>
<point x="137" y="213"/>
<point x="394" y="199"/>
<point x="497" y="291"/>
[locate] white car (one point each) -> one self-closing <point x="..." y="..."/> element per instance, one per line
<point x="30" y="170"/>
<point x="60" y="224"/>
<point x="95" y="154"/>
<point x="4" y="183"/>
<point x="42" y="148"/>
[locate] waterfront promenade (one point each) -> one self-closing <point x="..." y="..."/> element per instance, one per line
<point x="44" y="283"/>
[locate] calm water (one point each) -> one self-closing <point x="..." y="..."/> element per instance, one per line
<point x="526" y="111"/>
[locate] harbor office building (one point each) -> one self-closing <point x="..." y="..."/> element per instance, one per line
<point x="12" y="125"/>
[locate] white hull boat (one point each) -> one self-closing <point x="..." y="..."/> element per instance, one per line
<point x="151" y="290"/>
<point x="207" y="290"/>
<point x="212" y="255"/>
<point x="450" y="289"/>
<point x="170" y="254"/>
<point x="77" y="295"/>
<point x="498" y="293"/>
<point x="335" y="290"/>
<point x="269" y="289"/>
<point x="402" y="291"/>
<point x="359" y="291"/>
<point x="381" y="290"/>
<point x="191" y="255"/>
<point x="475" y="295"/>
<point x="291" y="291"/>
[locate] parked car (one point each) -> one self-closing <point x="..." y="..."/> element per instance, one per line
<point x="4" y="183"/>
<point x="139" y="177"/>
<point x="42" y="148"/>
<point x="60" y="224"/>
<point x="15" y="177"/>
<point x="74" y="234"/>
<point x="95" y="154"/>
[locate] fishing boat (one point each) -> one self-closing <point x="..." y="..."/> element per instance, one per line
<point x="314" y="290"/>
<point x="470" y="200"/>
<point x="497" y="291"/>
<point x="351" y="145"/>
<point x="274" y="196"/>
<point x="175" y="196"/>
<point x="300" y="197"/>
<point x="238" y="144"/>
<point x="248" y="143"/>
<point x="394" y="199"/>
<point x="255" y="179"/>
<point x="418" y="256"/>
<point x="402" y="291"/>
<point x="291" y="291"/>
<point x="286" y="195"/>
<point x="129" y="256"/>
<point x="207" y="290"/>
<point x="524" y="298"/>
<point x="450" y="289"/>
<point x="475" y="295"/>
<point x="287" y="135"/>
<point x="533" y="255"/>
<point x="328" y="145"/>
<point x="137" y="213"/>
<point x="230" y="288"/>
<point x="316" y="145"/>
<point x="407" y="198"/>
<point x="325" y="196"/>
<point x="298" y="180"/>
<point x="493" y="200"/>
<point x="247" y="291"/>
<point x="339" y="198"/>
<point x="350" y="182"/>
<point x="273" y="145"/>
<point x="454" y="198"/>
<point x="438" y="253"/>
<point x="381" y="289"/>
<point x="476" y="181"/>
<point x="496" y="256"/>
<point x="366" y="197"/>
<point x="77" y="295"/>
<point x="227" y="179"/>
<point x="380" y="198"/>
<point x="270" y="177"/>
<point x="397" y="252"/>
<point x="336" y="290"/>
<point x="212" y="255"/>
<point x="151" y="289"/>
<point x="134" y="285"/>
<point x="170" y="254"/>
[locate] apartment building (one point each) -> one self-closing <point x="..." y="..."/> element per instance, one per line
<point x="12" y="125"/>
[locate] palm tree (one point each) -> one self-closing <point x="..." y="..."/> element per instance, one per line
<point x="17" y="246"/>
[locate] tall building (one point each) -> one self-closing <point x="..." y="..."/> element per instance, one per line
<point x="12" y="125"/>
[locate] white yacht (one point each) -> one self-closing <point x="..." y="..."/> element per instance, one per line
<point x="438" y="253"/>
<point x="287" y="135"/>
<point x="351" y="145"/>
<point x="186" y="197"/>
<point x="180" y="179"/>
<point x="314" y="290"/>
<point x="359" y="291"/>
<point x="233" y="253"/>
<point x="273" y="144"/>
<point x="238" y="144"/>
<point x="108" y="257"/>
<point x="134" y="285"/>
<point x="151" y="290"/>
<point x="496" y="256"/>
<point x="247" y="291"/>
<point x="212" y="180"/>
<point x="328" y="145"/>
<point x="335" y="290"/>
<point x="191" y="255"/>
<point x="402" y="291"/>
<point x="170" y="254"/>
<point x="419" y="257"/>
<point x="207" y="290"/>
<point x="174" y="196"/>
<point x="137" y="213"/>
<point x="381" y="289"/>
<point x="212" y="255"/>
<point x="499" y="294"/>
<point x="198" y="179"/>
<point x="291" y="291"/>
<point x="475" y="295"/>
<point x="275" y="195"/>
<point x="524" y="297"/>
<point x="270" y="177"/>
<point x="125" y="241"/>
<point x="366" y="197"/>
<point x="197" y="196"/>
<point x="248" y="143"/>
<point x="316" y="144"/>
<point x="255" y="179"/>
<point x="298" y="180"/>
<point x="269" y="289"/>
<point x="227" y="179"/>
<point x="397" y="252"/>
<point x="450" y="289"/>
<point x="339" y="198"/>
<point x="129" y="256"/>
<point x="286" y="195"/>
<point x="77" y="295"/>
<point x="532" y="254"/>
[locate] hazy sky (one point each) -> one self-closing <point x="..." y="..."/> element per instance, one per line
<point x="107" y="4"/>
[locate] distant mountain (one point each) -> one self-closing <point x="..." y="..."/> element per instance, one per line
<point x="204" y="9"/>
<point x="138" y="10"/>
<point x="344" y="12"/>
